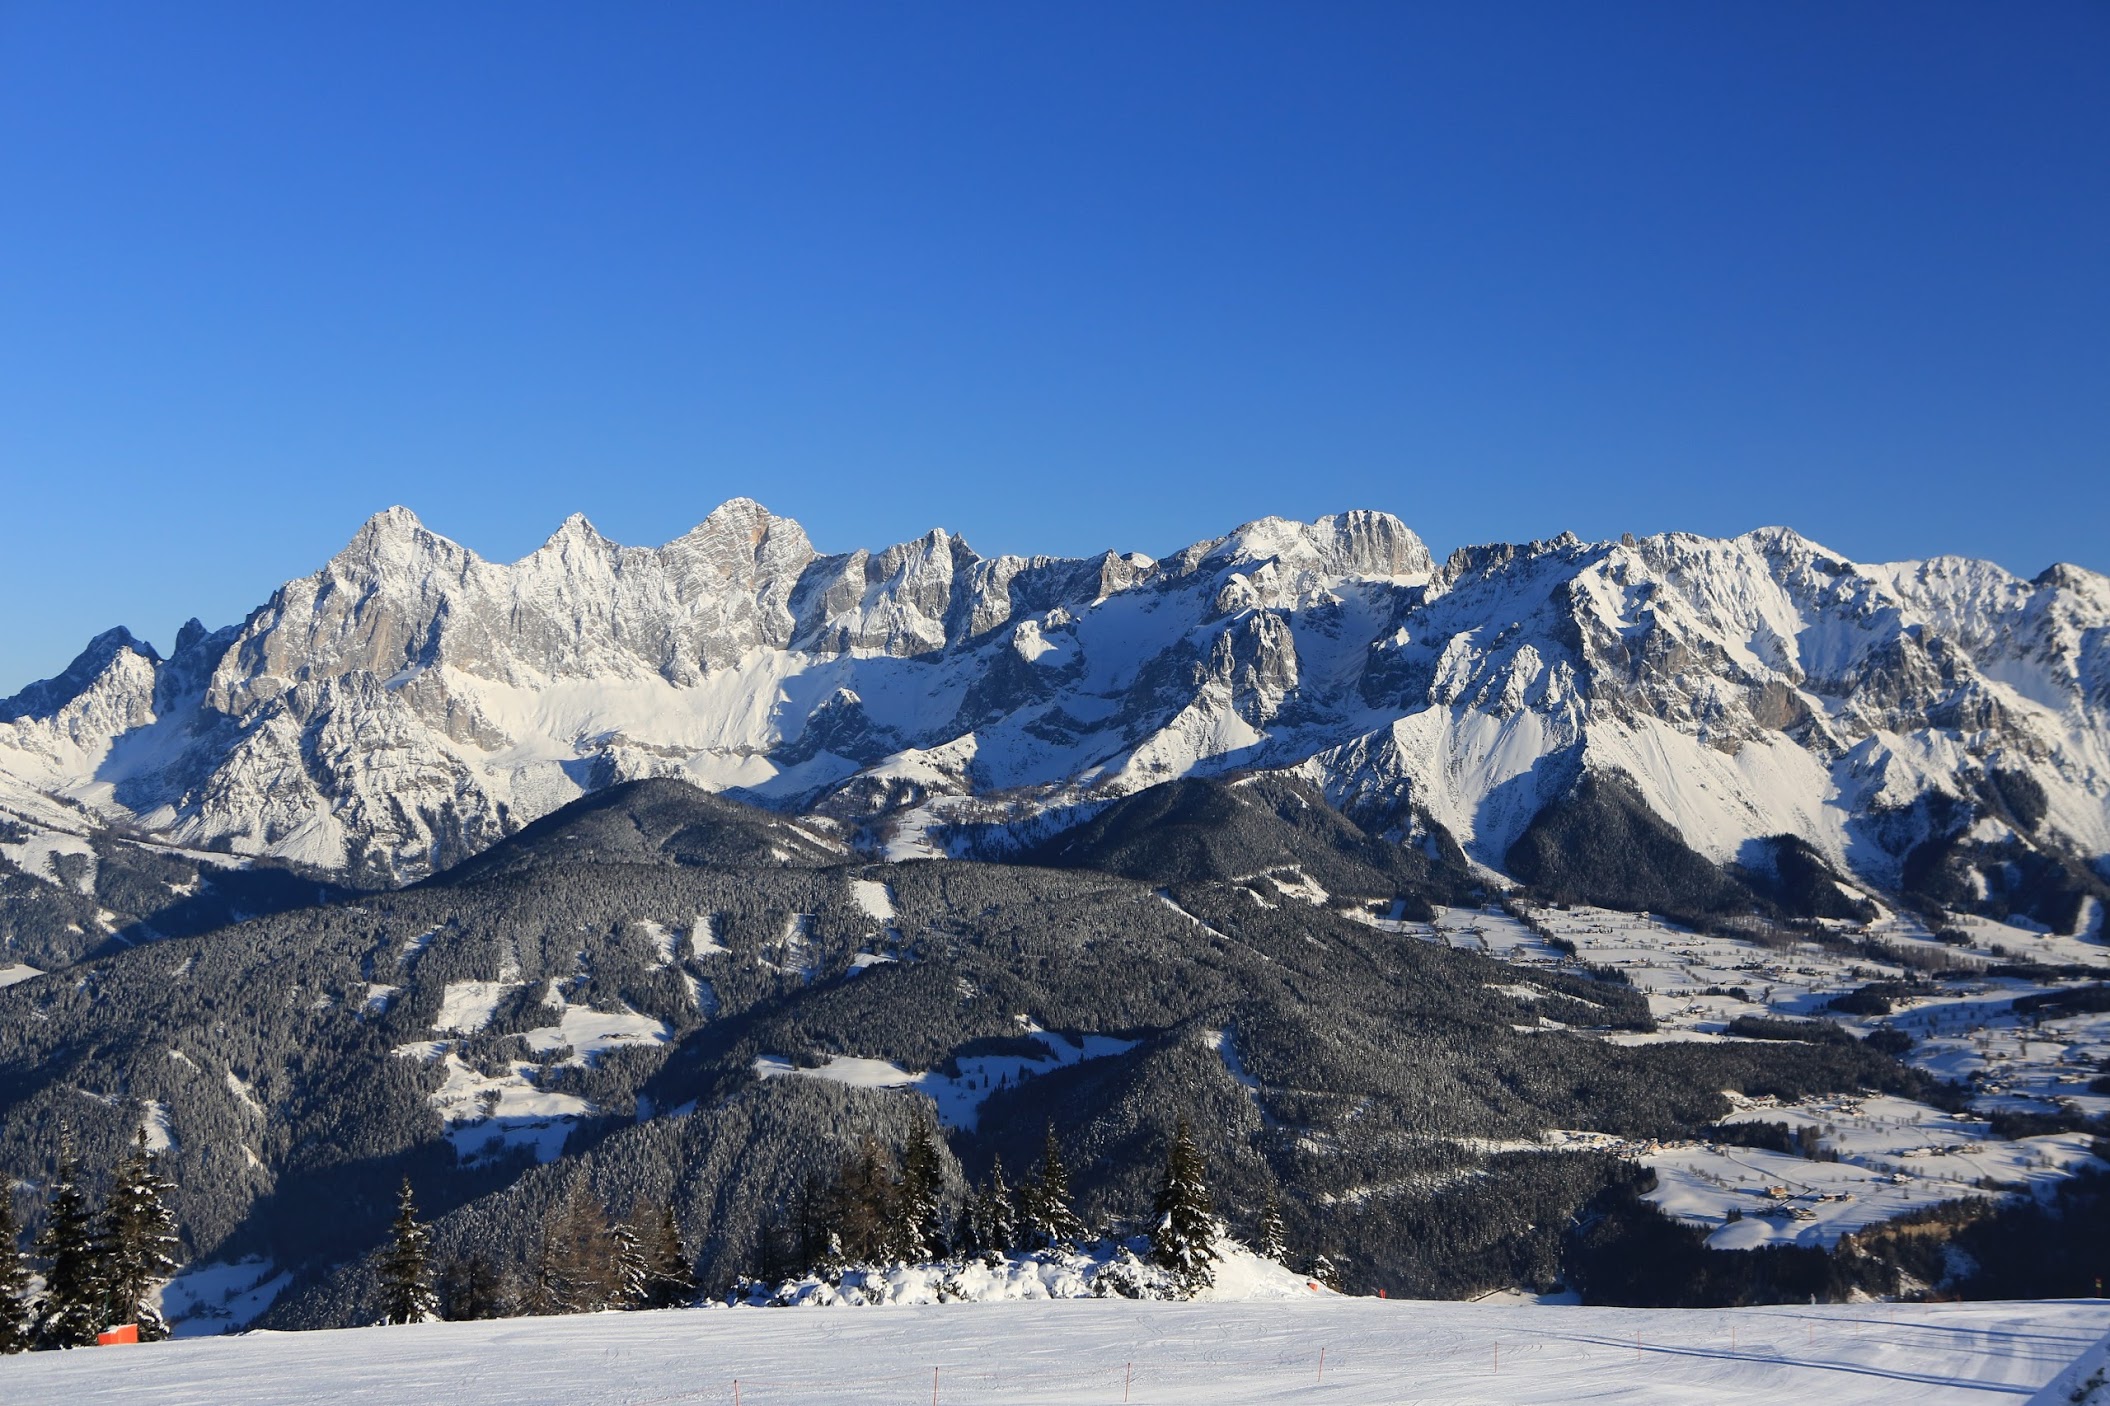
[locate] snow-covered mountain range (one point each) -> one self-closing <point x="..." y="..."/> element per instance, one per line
<point x="1939" y="728"/>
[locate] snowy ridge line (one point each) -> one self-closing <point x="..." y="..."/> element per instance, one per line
<point x="412" y="700"/>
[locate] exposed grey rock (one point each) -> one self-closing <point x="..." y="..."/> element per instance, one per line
<point x="412" y="702"/>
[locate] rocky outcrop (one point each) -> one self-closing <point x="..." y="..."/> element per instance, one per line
<point x="411" y="702"/>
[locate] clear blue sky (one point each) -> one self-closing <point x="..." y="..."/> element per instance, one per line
<point x="1060" y="276"/>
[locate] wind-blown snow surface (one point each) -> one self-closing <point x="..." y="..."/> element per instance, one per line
<point x="411" y="702"/>
<point x="1152" y="1354"/>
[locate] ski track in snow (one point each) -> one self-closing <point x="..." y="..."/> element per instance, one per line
<point x="1156" y="1354"/>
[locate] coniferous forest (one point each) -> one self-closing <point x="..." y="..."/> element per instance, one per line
<point x="609" y="1063"/>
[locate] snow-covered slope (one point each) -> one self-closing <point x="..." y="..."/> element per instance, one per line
<point x="1941" y="725"/>
<point x="1194" y="1354"/>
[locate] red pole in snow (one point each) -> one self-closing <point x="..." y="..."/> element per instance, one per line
<point x="736" y="1391"/>
<point x="933" y="1386"/>
<point x="1322" y="1366"/>
<point x="1128" y="1381"/>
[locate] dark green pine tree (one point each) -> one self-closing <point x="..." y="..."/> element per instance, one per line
<point x="406" y="1280"/>
<point x="670" y="1276"/>
<point x="1320" y="1267"/>
<point x="772" y="1259"/>
<point x="1050" y="1224"/>
<point x="14" y="1280"/>
<point x="811" y="1231"/>
<point x="995" y="1213"/>
<point x="863" y="1220"/>
<point x="1028" y="1214"/>
<point x="70" y="1312"/>
<point x="140" y="1241"/>
<point x="1270" y="1240"/>
<point x="919" y="1209"/>
<point x="470" y="1288"/>
<point x="1183" y="1231"/>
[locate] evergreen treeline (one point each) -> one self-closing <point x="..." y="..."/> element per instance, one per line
<point x="101" y="1267"/>
<point x="881" y="1208"/>
<point x="584" y="1262"/>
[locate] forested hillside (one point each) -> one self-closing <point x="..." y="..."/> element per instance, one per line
<point x="668" y="999"/>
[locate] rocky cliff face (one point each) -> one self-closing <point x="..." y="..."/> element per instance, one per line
<point x="1938" y="727"/>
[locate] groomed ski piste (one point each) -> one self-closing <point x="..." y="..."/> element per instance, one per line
<point x="1022" y="1331"/>
<point x="1323" y="1349"/>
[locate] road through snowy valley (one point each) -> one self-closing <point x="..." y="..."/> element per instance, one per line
<point x="1151" y="1354"/>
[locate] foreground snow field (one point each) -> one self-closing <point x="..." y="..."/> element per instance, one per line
<point x="1179" y="1354"/>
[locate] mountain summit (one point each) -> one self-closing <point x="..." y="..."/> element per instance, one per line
<point x="1937" y="728"/>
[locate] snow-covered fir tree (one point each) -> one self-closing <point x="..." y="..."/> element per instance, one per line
<point x="834" y="1259"/>
<point x="70" y="1310"/>
<point x="1050" y="1223"/>
<point x="406" y="1278"/>
<point x="1183" y="1225"/>
<point x="1270" y="1239"/>
<point x="670" y="1276"/>
<point x="14" y="1280"/>
<point x="992" y="1214"/>
<point x="140" y="1241"/>
<point x="1321" y="1268"/>
<point x="627" y="1266"/>
<point x="919" y="1212"/>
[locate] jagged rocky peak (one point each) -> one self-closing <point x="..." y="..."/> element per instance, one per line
<point x="1357" y="543"/>
<point x="189" y="636"/>
<point x="740" y="541"/>
<point x="1365" y="543"/>
<point x="392" y="540"/>
<point x="47" y="696"/>
<point x="575" y="535"/>
<point x="2065" y="576"/>
<point x="412" y="701"/>
<point x="106" y="691"/>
